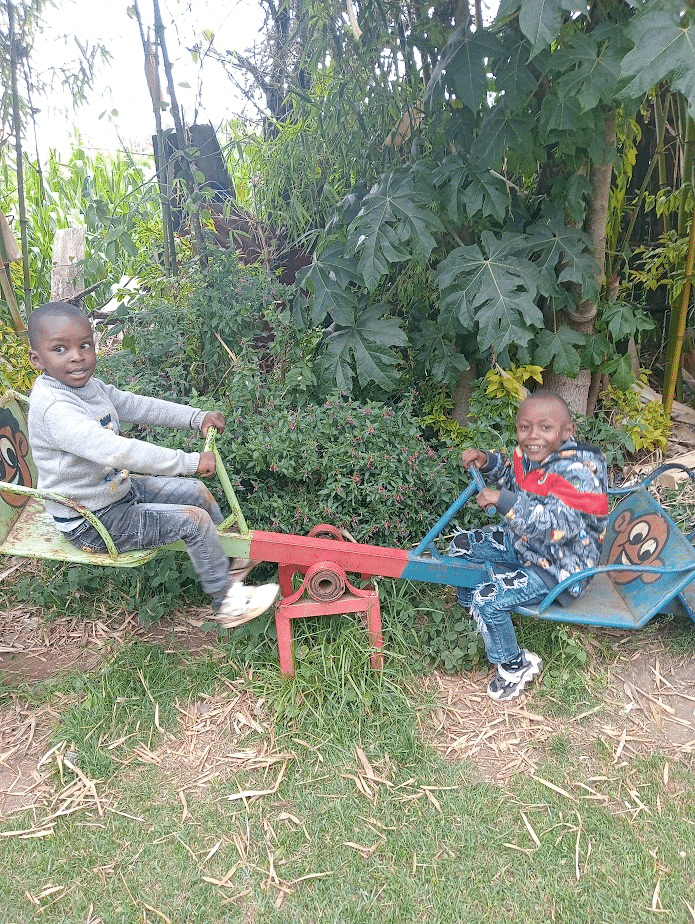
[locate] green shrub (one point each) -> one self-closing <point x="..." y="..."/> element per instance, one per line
<point x="364" y="468"/>
<point x="228" y="328"/>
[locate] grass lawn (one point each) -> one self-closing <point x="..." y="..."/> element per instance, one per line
<point x="165" y="784"/>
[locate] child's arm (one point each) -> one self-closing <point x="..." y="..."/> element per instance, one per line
<point x="212" y="419"/>
<point x="72" y="431"/>
<point x="475" y="457"/>
<point x="156" y="412"/>
<point x="207" y="465"/>
<point x="488" y="496"/>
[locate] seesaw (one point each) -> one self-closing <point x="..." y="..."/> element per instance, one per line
<point x="647" y="565"/>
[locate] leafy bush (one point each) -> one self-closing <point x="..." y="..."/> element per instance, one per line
<point x="152" y="590"/>
<point x="364" y="468"/>
<point x="647" y="424"/>
<point x="15" y="369"/>
<point x="229" y="326"/>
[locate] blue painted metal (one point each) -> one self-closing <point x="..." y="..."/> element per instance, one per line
<point x="442" y="569"/>
<point x="428" y="541"/>
<point x="480" y="484"/>
<point x="645" y="565"/>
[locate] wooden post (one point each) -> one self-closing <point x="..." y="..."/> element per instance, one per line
<point x="10" y="253"/>
<point x="68" y="253"/>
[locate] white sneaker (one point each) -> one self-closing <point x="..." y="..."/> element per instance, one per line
<point x="242" y="604"/>
<point x="510" y="684"/>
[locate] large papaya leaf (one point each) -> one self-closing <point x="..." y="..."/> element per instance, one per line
<point x="663" y="49"/>
<point x="394" y="224"/>
<point x="470" y="190"/>
<point x="556" y="350"/>
<point x="588" y="66"/>
<point x="434" y="352"/>
<point x="563" y="254"/>
<point x="329" y="278"/>
<point x="561" y="114"/>
<point x="513" y="77"/>
<point x="462" y="68"/>
<point x="493" y="289"/>
<point x="622" y="320"/>
<point x="504" y="133"/>
<point x="540" y="20"/>
<point x="365" y="347"/>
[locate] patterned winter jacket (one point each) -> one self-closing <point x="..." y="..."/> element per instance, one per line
<point x="555" y="511"/>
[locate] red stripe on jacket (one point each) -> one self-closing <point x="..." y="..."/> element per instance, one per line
<point x="550" y="484"/>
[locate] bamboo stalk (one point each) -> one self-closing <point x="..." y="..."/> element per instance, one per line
<point x="679" y="319"/>
<point x="660" y="110"/>
<point x="19" y="157"/>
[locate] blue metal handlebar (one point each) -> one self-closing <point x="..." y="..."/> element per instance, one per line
<point x="480" y="484"/>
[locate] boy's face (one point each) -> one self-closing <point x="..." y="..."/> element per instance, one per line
<point x="542" y="426"/>
<point x="65" y="350"/>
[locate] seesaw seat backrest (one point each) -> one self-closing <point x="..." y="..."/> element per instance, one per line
<point x="640" y="532"/>
<point x="16" y="462"/>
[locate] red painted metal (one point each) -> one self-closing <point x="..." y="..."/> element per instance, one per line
<point x="294" y="605"/>
<point x="303" y="551"/>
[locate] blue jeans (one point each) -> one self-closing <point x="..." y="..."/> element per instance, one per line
<point x="158" y="511"/>
<point x="491" y="603"/>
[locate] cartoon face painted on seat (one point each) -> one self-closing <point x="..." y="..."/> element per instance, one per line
<point x="638" y="542"/>
<point x="14" y="449"/>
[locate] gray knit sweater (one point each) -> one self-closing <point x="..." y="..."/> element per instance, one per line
<point x="75" y="440"/>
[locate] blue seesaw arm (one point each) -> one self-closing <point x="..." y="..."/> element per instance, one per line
<point x="477" y="484"/>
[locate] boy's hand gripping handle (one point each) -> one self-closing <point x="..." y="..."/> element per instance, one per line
<point x="480" y="482"/>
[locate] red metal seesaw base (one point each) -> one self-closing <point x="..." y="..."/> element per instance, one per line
<point x="330" y="594"/>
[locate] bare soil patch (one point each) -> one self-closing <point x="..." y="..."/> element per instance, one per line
<point x="33" y="649"/>
<point x="646" y="703"/>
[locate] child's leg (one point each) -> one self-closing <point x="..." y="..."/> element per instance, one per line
<point x="183" y="508"/>
<point x="481" y="546"/>
<point x="163" y="510"/>
<point x="491" y="608"/>
<point x="492" y="604"/>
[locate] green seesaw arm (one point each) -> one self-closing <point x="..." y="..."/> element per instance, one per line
<point x="236" y="516"/>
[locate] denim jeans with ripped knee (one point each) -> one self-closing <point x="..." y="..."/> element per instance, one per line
<point x="492" y="602"/>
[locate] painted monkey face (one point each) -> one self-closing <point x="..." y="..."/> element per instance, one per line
<point x="639" y="541"/>
<point x="14" y="449"/>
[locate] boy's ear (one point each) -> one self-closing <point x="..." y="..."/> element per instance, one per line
<point x="569" y="429"/>
<point x="35" y="360"/>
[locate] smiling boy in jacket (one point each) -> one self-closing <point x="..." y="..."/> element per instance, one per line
<point x="552" y="494"/>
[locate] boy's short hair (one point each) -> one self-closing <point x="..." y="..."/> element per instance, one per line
<point x="545" y="394"/>
<point x="43" y="313"/>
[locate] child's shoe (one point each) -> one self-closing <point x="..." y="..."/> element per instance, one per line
<point x="510" y="684"/>
<point x="242" y="604"/>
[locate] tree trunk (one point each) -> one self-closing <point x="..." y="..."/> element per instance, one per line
<point x="582" y="317"/>
<point x="574" y="391"/>
<point x="462" y="394"/>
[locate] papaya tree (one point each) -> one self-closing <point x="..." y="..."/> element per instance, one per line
<point x="498" y="214"/>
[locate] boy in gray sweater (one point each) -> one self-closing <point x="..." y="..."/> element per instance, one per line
<point x="74" y="433"/>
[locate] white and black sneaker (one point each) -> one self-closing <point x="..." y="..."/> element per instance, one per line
<point x="508" y="684"/>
